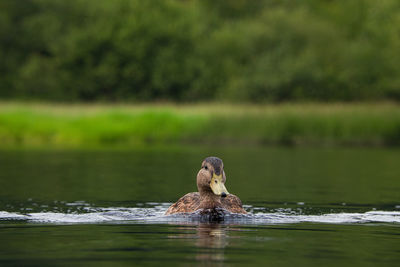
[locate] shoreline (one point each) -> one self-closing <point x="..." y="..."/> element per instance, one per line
<point x="141" y="125"/>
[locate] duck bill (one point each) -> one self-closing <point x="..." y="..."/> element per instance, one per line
<point x="217" y="186"/>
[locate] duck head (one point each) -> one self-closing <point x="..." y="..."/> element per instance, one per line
<point x="211" y="177"/>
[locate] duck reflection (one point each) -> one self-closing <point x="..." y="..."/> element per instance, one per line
<point x="211" y="239"/>
<point x="208" y="240"/>
<point x="211" y="235"/>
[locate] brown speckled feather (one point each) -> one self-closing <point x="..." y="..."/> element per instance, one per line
<point x="233" y="204"/>
<point x="191" y="201"/>
<point x="188" y="203"/>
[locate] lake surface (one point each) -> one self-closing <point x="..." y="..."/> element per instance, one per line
<point x="312" y="207"/>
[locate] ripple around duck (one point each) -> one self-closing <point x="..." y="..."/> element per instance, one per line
<point x="154" y="213"/>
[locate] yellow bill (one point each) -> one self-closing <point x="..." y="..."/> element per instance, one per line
<point x="217" y="186"/>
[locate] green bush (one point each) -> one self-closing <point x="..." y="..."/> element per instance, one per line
<point x="200" y="50"/>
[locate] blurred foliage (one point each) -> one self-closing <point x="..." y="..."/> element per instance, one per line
<point x="200" y="50"/>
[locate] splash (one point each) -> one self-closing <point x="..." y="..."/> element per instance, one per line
<point x="154" y="213"/>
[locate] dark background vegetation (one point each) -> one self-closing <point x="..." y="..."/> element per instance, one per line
<point x="200" y="50"/>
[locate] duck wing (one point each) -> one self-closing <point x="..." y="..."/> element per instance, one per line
<point x="188" y="203"/>
<point x="233" y="204"/>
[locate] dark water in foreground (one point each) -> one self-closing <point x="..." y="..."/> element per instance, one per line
<point x="306" y="207"/>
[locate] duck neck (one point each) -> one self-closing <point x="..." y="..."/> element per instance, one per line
<point x="208" y="200"/>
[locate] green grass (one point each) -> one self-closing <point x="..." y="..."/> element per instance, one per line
<point x="51" y="125"/>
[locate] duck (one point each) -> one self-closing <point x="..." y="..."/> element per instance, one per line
<point x="212" y="195"/>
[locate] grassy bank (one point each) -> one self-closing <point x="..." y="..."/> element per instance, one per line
<point x="51" y="125"/>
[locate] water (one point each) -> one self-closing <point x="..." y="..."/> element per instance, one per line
<point x="306" y="207"/>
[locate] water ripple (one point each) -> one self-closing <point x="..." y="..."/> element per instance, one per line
<point x="155" y="214"/>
